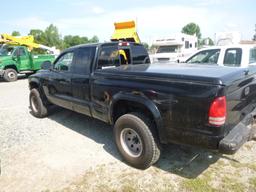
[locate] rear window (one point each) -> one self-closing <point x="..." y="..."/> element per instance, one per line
<point x="139" y="54"/>
<point x="252" y="56"/>
<point x="233" y="57"/>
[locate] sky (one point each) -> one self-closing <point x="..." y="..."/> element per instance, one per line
<point x="155" y="18"/>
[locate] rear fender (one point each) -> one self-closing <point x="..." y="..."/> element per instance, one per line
<point x="143" y="101"/>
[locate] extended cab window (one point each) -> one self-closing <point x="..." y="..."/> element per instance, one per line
<point x="233" y="57"/>
<point x="64" y="62"/>
<point x="108" y="57"/>
<point x="252" y="56"/>
<point x="83" y="61"/>
<point x="206" y="56"/>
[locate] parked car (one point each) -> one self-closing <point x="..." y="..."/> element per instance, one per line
<point x="17" y="59"/>
<point x="231" y="55"/>
<point x="150" y="104"/>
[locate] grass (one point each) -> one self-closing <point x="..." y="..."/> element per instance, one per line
<point x="252" y="182"/>
<point x="197" y="185"/>
<point x="232" y="185"/>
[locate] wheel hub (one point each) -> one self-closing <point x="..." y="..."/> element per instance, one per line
<point x="131" y="142"/>
<point x="11" y="75"/>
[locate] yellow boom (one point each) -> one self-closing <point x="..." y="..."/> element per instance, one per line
<point x="125" y="31"/>
<point x="27" y="41"/>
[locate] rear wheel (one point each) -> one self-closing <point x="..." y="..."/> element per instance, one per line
<point x="136" y="141"/>
<point x="10" y="75"/>
<point x="38" y="108"/>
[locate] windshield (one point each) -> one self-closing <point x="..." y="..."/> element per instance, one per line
<point x="167" y="49"/>
<point x="206" y="56"/>
<point x="5" y="50"/>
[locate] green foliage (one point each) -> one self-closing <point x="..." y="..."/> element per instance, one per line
<point x="145" y="45"/>
<point x="38" y="35"/>
<point x="70" y="40"/>
<point x="15" y="33"/>
<point x="52" y="38"/>
<point x="192" y="29"/>
<point x="94" y="39"/>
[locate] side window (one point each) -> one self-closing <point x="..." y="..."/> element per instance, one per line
<point x="252" y="58"/>
<point x="233" y="57"/>
<point x="139" y="54"/>
<point x="207" y="56"/>
<point x="64" y="62"/>
<point x="22" y="52"/>
<point x="186" y="44"/>
<point x="84" y="58"/>
<point x="108" y="57"/>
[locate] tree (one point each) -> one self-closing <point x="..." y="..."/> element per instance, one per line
<point x="211" y="41"/>
<point x="94" y="39"/>
<point x="145" y="45"/>
<point x="52" y="37"/>
<point x="254" y="37"/>
<point x="70" y="40"/>
<point x="192" y="29"/>
<point x="15" y="33"/>
<point x="38" y="35"/>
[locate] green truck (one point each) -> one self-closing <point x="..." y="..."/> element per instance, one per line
<point x="16" y="60"/>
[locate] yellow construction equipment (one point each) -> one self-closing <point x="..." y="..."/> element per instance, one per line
<point x="125" y="31"/>
<point x="27" y="41"/>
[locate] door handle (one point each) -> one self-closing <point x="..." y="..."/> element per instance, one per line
<point x="64" y="81"/>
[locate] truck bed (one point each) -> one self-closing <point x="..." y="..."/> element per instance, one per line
<point x="191" y="72"/>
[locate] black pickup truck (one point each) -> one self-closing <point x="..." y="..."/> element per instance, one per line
<point x="150" y="104"/>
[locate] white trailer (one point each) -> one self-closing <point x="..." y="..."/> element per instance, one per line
<point x="174" y="49"/>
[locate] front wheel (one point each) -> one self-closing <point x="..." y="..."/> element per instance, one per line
<point x="10" y="75"/>
<point x="37" y="106"/>
<point x="136" y="140"/>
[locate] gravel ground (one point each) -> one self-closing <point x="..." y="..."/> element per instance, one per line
<point x="38" y="154"/>
<point x="71" y="152"/>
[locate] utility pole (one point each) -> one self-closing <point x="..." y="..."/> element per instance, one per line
<point x="254" y="37"/>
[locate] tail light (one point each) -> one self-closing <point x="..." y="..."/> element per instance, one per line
<point x="217" y="112"/>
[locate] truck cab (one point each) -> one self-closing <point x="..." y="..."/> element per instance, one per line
<point x="230" y="56"/>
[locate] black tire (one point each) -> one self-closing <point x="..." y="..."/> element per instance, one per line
<point x="10" y="75"/>
<point x="38" y="109"/>
<point x="138" y="155"/>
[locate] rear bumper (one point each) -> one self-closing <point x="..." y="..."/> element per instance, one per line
<point x="239" y="135"/>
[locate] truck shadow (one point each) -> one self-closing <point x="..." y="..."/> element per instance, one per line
<point x="184" y="161"/>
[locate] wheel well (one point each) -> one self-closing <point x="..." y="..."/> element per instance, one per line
<point x="122" y="107"/>
<point x="11" y="67"/>
<point x="33" y="85"/>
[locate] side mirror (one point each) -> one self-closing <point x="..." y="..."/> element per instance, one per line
<point x="46" y="65"/>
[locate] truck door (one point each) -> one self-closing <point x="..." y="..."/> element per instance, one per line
<point x="22" y="59"/>
<point x="80" y="79"/>
<point x="58" y="87"/>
